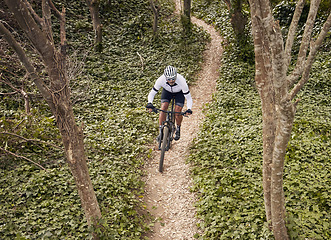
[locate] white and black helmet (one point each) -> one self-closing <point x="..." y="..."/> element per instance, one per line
<point x="170" y="73"/>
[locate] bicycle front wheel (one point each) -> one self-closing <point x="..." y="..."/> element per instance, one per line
<point x="163" y="147"/>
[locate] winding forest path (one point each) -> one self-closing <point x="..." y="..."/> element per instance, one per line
<point x="168" y="195"/>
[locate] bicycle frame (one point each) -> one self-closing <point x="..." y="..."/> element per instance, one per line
<point x="167" y="130"/>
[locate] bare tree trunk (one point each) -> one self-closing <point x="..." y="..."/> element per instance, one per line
<point x="263" y="69"/>
<point x="187" y="9"/>
<point x="238" y="19"/>
<point x="97" y="26"/>
<point x="57" y="94"/>
<point x="155" y="8"/>
<point x="186" y="16"/>
<point x="278" y="109"/>
<point x="265" y="76"/>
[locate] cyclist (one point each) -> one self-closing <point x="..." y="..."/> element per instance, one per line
<point x="174" y="85"/>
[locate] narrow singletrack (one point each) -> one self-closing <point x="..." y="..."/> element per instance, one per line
<point x="167" y="195"/>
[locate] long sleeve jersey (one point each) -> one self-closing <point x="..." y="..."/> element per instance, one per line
<point x="179" y="85"/>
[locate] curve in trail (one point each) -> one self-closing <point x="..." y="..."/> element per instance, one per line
<point x="167" y="195"/>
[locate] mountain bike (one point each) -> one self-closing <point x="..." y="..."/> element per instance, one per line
<point x="168" y="129"/>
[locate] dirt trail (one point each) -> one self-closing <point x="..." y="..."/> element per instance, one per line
<point x="168" y="195"/>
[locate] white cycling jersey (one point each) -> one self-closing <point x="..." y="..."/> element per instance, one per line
<point x="179" y="85"/>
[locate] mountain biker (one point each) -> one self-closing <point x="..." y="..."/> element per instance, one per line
<point x="174" y="85"/>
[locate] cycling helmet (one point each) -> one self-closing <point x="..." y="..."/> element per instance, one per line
<point x="170" y="73"/>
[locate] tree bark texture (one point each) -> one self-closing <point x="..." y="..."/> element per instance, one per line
<point x="272" y="60"/>
<point x="186" y="16"/>
<point x="263" y="68"/>
<point x="155" y="9"/>
<point x="238" y="19"/>
<point x="187" y="9"/>
<point x="97" y="26"/>
<point x="57" y="93"/>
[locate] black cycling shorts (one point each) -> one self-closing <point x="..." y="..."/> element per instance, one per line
<point x="167" y="96"/>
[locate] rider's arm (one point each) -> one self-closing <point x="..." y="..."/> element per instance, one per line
<point x="186" y="91"/>
<point x="151" y="95"/>
<point x="154" y="90"/>
<point x="189" y="100"/>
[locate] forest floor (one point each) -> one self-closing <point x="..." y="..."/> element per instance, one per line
<point x="167" y="195"/>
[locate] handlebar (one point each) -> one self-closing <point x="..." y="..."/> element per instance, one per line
<point x="156" y="110"/>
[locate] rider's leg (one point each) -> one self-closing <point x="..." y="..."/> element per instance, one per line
<point x="179" y="117"/>
<point x="180" y="100"/>
<point x="162" y="116"/>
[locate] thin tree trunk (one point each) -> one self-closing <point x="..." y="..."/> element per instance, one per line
<point x="264" y="77"/>
<point x="283" y="134"/>
<point x="97" y="26"/>
<point x="238" y="19"/>
<point x="186" y="16"/>
<point x="155" y="9"/>
<point x="263" y="69"/>
<point x="73" y="140"/>
<point x="285" y="115"/>
<point x="187" y="9"/>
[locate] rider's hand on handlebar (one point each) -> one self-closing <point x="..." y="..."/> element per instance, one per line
<point x="188" y="112"/>
<point x="150" y="107"/>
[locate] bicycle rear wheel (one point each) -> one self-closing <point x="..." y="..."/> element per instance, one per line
<point x="163" y="147"/>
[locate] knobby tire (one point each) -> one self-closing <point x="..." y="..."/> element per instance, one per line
<point x="163" y="147"/>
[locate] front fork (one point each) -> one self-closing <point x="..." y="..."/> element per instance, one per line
<point x="171" y="132"/>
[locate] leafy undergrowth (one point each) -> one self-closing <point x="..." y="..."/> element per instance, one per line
<point x="227" y="154"/>
<point x="110" y="94"/>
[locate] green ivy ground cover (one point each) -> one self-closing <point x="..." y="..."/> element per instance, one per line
<point x="227" y="154"/>
<point x="110" y="97"/>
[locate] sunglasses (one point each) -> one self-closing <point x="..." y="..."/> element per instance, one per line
<point x="171" y="79"/>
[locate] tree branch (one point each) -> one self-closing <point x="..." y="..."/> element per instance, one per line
<point x="325" y="30"/>
<point x="36" y="35"/>
<point x="314" y="47"/>
<point x="299" y="68"/>
<point x="24" y="59"/>
<point x="291" y="32"/>
<point x="228" y="4"/>
<point x="33" y="13"/>
<point x="313" y="51"/>
<point x="47" y="27"/>
<point x="56" y="12"/>
<point x="142" y="61"/>
<point x="18" y="156"/>
<point x="61" y="18"/>
<point x="24" y="94"/>
<point x="10" y="85"/>
<point x="11" y="93"/>
<point x="31" y="140"/>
